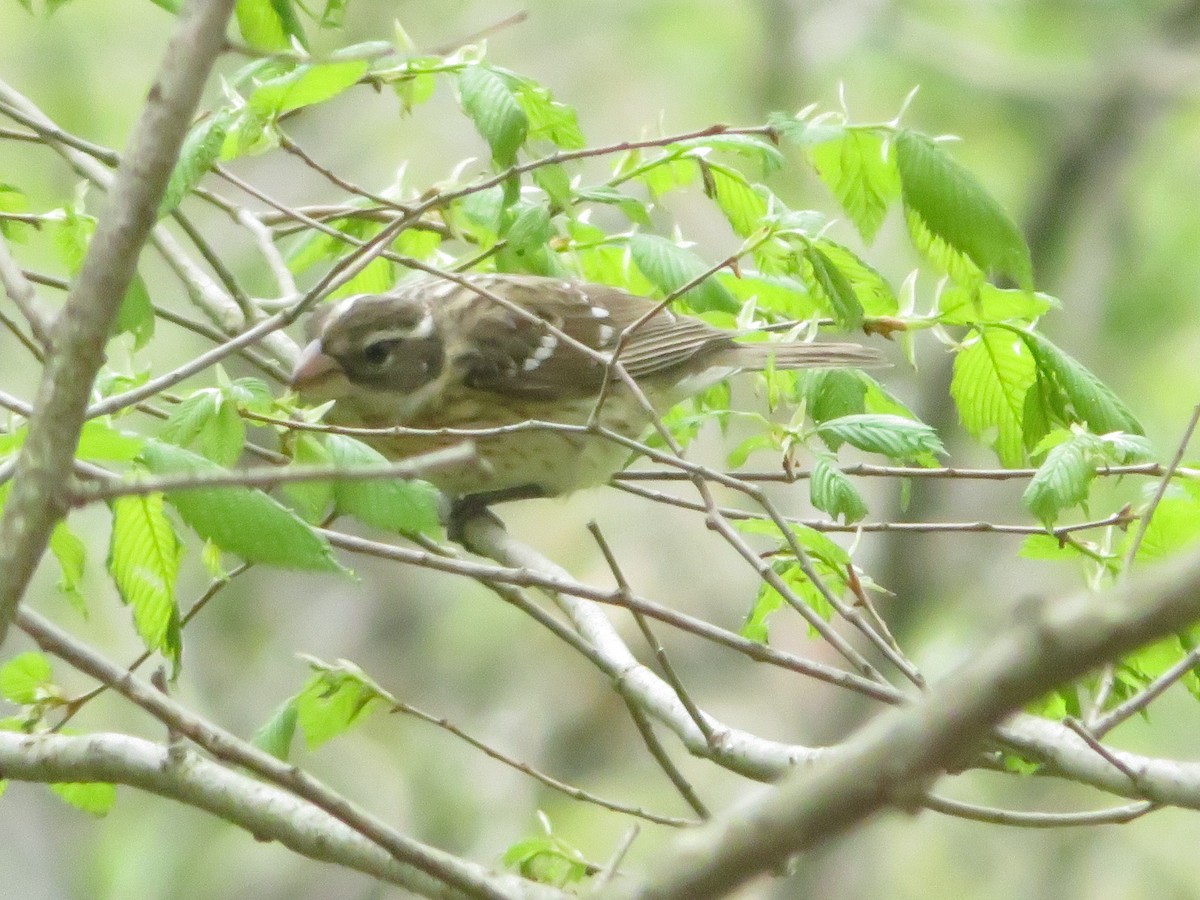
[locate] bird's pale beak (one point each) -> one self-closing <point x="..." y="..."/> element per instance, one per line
<point x="313" y="367"/>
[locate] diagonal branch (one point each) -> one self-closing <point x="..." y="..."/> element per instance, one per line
<point x="893" y="760"/>
<point x="38" y="499"/>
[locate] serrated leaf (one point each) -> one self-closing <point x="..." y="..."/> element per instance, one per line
<point x="1062" y="480"/>
<point x="143" y="558"/>
<point x="745" y="145"/>
<point x="312" y="498"/>
<point x="334" y="699"/>
<point x="896" y="437"/>
<point x="669" y="267"/>
<point x="490" y="104"/>
<point x="827" y="282"/>
<point x="276" y="734"/>
<point x="954" y="207"/>
<point x="190" y="417"/>
<point x="832" y="492"/>
<point x="530" y="229"/>
<point x="269" y="24"/>
<point x="201" y="148"/>
<point x="101" y="442"/>
<point x="984" y="303"/>
<point x="306" y="85"/>
<point x="13" y="200"/>
<point x="224" y="434"/>
<point x="861" y="175"/>
<point x="1174" y="526"/>
<point x="95" y="798"/>
<point x="744" y="205"/>
<point x="243" y="521"/>
<point x="871" y="289"/>
<point x="1091" y="402"/>
<point x="832" y="393"/>
<point x="136" y="314"/>
<point x="992" y="377"/>
<point x="26" y="679"/>
<point x="548" y="119"/>
<point x="407" y="507"/>
<point x="69" y="551"/>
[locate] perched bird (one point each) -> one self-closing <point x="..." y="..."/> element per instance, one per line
<point x="434" y="354"/>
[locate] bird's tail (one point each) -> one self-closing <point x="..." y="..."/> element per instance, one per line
<point x="800" y="355"/>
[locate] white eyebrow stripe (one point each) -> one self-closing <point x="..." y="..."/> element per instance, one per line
<point x="339" y="311"/>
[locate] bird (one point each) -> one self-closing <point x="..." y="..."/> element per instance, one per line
<point x="486" y="350"/>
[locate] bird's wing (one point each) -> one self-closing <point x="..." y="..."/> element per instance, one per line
<point x="505" y="352"/>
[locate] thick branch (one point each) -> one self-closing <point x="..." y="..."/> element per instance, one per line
<point x="265" y="811"/>
<point x="891" y="762"/>
<point x="38" y="500"/>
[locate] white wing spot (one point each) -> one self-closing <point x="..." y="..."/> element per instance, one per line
<point x="545" y="349"/>
<point x="599" y="312"/>
<point x="606" y="335"/>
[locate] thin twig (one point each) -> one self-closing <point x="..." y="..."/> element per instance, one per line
<point x="562" y="787"/>
<point x="266" y="478"/>
<point x="1118" y="815"/>
<point x="654" y="745"/>
<point x="660" y="653"/>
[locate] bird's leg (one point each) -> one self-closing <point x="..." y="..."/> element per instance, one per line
<point x="463" y="509"/>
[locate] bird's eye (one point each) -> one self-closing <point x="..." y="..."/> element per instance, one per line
<point x="378" y="353"/>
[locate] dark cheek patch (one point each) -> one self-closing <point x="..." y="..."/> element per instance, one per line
<point x="414" y="365"/>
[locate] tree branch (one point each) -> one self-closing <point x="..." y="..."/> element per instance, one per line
<point x="892" y="760"/>
<point x="38" y="499"/>
<point x="267" y="812"/>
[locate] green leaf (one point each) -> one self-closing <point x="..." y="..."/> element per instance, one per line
<point x="669" y="267"/>
<point x="1090" y="401"/>
<point x="984" y="303"/>
<point x="95" y="798"/>
<point x="992" y="376"/>
<point x="143" y="558"/>
<point x="896" y="437"/>
<point x="101" y="442"/>
<point x="69" y="551"/>
<point x="943" y="198"/>
<point x="548" y="119"/>
<point x="546" y="859"/>
<point x="871" y="289"/>
<point x="188" y="419"/>
<point x="827" y="282"/>
<point x="269" y="24"/>
<point x="201" y="149"/>
<point x="407" y="507"/>
<point x="1062" y="481"/>
<point x="1174" y="526"/>
<point x="27" y="679"/>
<point x="376" y="277"/>
<point x="312" y="498"/>
<point x="831" y="491"/>
<point x="13" y="200"/>
<point x="744" y="205"/>
<point x="335" y="698"/>
<point x="530" y="230"/>
<point x="136" y="315"/>
<point x="243" y="521"/>
<point x="858" y="167"/>
<point x="306" y="85"/>
<point x="492" y="107"/>
<point x="832" y="393"/>
<point x="276" y="734"/>
<point x="224" y="434"/>
<point x="748" y="146"/>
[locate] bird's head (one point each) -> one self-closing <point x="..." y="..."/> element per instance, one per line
<point x="377" y="342"/>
